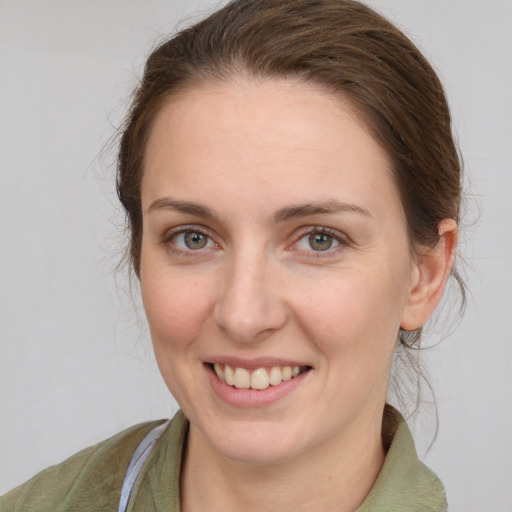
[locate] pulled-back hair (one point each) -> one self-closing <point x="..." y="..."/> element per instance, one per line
<point x="340" y="45"/>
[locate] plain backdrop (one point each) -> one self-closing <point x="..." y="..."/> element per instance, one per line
<point x="76" y="364"/>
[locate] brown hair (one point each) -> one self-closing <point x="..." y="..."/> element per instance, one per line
<point x="341" y="45"/>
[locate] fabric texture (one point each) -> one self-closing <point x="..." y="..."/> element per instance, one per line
<point x="91" y="480"/>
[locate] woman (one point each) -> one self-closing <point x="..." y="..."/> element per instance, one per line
<point x="292" y="189"/>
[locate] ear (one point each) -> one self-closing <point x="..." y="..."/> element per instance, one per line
<point x="429" y="276"/>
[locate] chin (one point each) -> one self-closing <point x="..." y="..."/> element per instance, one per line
<point x="263" y="453"/>
<point x="256" y="443"/>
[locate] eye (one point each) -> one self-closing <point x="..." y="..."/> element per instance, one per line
<point x="319" y="240"/>
<point x="191" y="240"/>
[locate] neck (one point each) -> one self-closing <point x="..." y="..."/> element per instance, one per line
<point x="336" y="476"/>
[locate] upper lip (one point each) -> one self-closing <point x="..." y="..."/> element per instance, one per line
<point x="253" y="363"/>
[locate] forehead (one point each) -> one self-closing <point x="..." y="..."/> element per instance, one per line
<point x="257" y="111"/>
<point x="258" y="137"/>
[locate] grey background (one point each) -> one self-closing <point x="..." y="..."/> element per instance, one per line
<point x="76" y="364"/>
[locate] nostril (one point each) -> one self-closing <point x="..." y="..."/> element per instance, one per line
<point x="250" y="322"/>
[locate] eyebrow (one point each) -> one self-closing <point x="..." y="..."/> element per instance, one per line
<point x="282" y="215"/>
<point x="189" y="207"/>
<point x="305" y="210"/>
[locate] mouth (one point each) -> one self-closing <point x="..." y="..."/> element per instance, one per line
<point x="257" y="378"/>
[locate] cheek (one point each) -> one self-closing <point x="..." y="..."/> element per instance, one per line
<point x="355" y="317"/>
<point x="354" y="326"/>
<point x="175" y="306"/>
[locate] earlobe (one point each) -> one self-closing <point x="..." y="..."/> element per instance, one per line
<point x="429" y="277"/>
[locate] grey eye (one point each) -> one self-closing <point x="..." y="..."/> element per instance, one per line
<point x="192" y="240"/>
<point x="317" y="241"/>
<point x="195" y="240"/>
<point x="320" y="241"/>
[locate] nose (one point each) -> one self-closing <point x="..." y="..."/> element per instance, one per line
<point x="249" y="307"/>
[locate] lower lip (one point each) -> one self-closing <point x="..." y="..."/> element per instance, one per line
<point x="253" y="397"/>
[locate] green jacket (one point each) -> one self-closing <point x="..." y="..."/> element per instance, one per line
<point x="92" y="479"/>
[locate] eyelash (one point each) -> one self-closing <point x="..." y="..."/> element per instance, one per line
<point x="167" y="240"/>
<point x="336" y="236"/>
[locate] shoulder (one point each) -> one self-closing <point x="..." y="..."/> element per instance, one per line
<point x="89" y="480"/>
<point x="404" y="483"/>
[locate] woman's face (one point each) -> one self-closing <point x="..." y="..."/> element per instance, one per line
<point x="273" y="238"/>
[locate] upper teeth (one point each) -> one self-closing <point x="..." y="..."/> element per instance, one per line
<point x="260" y="378"/>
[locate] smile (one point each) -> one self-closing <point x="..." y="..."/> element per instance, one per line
<point x="259" y="378"/>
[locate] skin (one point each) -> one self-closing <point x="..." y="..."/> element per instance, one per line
<point x="251" y="154"/>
